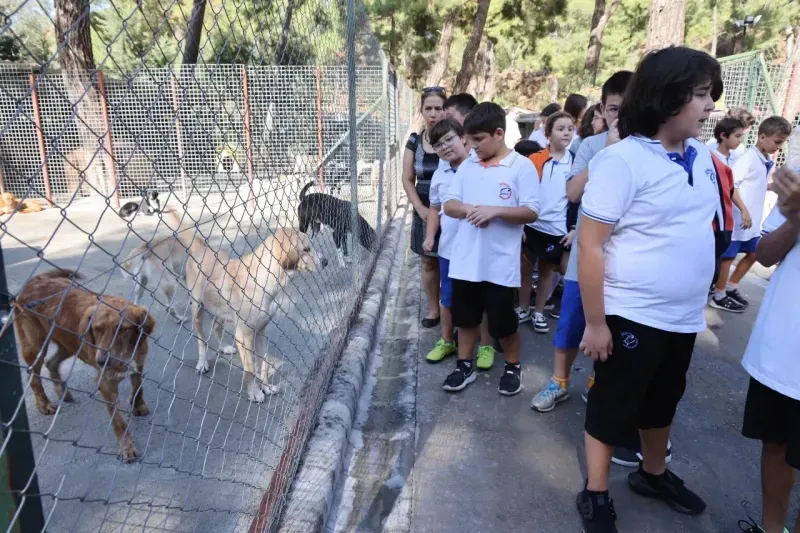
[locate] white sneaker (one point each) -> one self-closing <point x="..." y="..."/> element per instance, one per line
<point x="540" y="323"/>
<point x="523" y="315"/>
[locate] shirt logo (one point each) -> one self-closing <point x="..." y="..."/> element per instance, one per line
<point x="505" y="191"/>
<point x="629" y="340"/>
<point x="711" y="175"/>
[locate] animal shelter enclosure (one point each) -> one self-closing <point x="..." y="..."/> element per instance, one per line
<point x="162" y="368"/>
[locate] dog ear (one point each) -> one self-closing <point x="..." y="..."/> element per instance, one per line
<point x="142" y="318"/>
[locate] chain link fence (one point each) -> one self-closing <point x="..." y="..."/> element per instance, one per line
<point x="211" y="118"/>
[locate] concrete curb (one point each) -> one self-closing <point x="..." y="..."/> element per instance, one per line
<point x="313" y="488"/>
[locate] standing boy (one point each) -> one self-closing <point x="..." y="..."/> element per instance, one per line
<point x="538" y="134"/>
<point x="772" y="410"/>
<point x="728" y="133"/>
<point x="458" y="106"/>
<point x="647" y="214"/>
<point x="494" y="193"/>
<point x="751" y="178"/>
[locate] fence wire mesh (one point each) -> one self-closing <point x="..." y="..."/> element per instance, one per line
<point x="222" y="313"/>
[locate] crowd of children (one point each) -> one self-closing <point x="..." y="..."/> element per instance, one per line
<point x="617" y="198"/>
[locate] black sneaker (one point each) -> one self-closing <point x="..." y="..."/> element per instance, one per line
<point x="462" y="376"/>
<point x="556" y="312"/>
<point x="510" y="383"/>
<point x="669" y="488"/>
<point x="736" y="295"/>
<point x="540" y="324"/>
<point x="727" y="303"/>
<point x="549" y="305"/>
<point x="597" y="512"/>
<point x="623" y="456"/>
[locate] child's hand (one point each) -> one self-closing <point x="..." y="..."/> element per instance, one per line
<point x="422" y="211"/>
<point x="613" y="133"/>
<point x="481" y="215"/>
<point x="747" y="221"/>
<point x="786" y="184"/>
<point x="597" y="342"/>
<point x="567" y="239"/>
<point x="427" y="244"/>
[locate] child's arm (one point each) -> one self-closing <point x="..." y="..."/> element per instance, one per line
<point x="747" y="222"/>
<point x="482" y="215"/>
<point x="431" y="228"/>
<point x="780" y="236"/>
<point x="453" y="205"/>
<point x="591" y="279"/>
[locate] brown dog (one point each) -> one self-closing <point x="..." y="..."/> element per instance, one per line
<point x="10" y="204"/>
<point x="103" y="331"/>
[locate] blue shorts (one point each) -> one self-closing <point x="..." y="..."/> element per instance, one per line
<point x="572" y="321"/>
<point x="445" y="283"/>
<point x="741" y="247"/>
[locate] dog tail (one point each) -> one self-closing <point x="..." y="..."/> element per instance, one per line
<point x="367" y="235"/>
<point x="304" y="190"/>
<point x="60" y="273"/>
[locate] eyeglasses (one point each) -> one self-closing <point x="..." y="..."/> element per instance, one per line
<point x="436" y="89"/>
<point x="445" y="143"/>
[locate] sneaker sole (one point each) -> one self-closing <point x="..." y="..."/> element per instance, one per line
<point x="648" y="492"/>
<point x="558" y="401"/>
<point x="463" y="386"/>
<point x="541" y="330"/>
<point x="484" y="368"/>
<point x="510" y="393"/>
<point x="523" y="320"/>
<point x="715" y="305"/>
<point x="434" y="361"/>
<point x="622" y="462"/>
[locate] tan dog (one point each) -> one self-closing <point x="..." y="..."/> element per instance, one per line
<point x="161" y="262"/>
<point x="242" y="291"/>
<point x="11" y="204"/>
<point x="105" y="332"/>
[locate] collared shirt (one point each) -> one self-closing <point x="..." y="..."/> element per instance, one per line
<point x="739" y="152"/>
<point x="771" y="355"/>
<point x="728" y="160"/>
<point x="492" y="253"/>
<point x="553" y="196"/>
<point x="539" y="137"/>
<point x="440" y="184"/>
<point x="589" y="148"/>
<point x="659" y="258"/>
<point x="750" y="177"/>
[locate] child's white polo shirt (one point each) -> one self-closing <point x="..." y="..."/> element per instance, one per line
<point x="553" y="196"/>
<point x="750" y="177"/>
<point x="660" y="256"/>
<point x="440" y="184"/>
<point x="772" y="353"/>
<point x="727" y="159"/>
<point x="492" y="253"/>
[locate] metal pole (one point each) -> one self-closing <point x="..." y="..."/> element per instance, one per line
<point x="37" y="119"/>
<point x="321" y="172"/>
<point x="384" y="139"/>
<point x="107" y="141"/>
<point x="178" y="133"/>
<point x="17" y="465"/>
<point x="2" y="179"/>
<point x="248" y="150"/>
<point x="353" y="133"/>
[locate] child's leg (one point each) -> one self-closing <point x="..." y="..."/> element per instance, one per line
<point x="446" y="324"/>
<point x="467" y="338"/>
<point x="722" y="280"/>
<point x="545" y="281"/>
<point x="777" y="480"/>
<point x="562" y="365"/>
<point x="486" y="339"/>
<point x="430" y="284"/>
<point x="510" y="346"/>
<point x="526" y="282"/>
<point x="742" y="268"/>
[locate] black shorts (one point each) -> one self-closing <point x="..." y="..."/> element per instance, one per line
<point x="545" y="247"/>
<point x="471" y="299"/>
<point x="640" y="384"/>
<point x="770" y="416"/>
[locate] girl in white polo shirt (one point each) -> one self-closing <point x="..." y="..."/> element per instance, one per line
<point x="647" y="217"/>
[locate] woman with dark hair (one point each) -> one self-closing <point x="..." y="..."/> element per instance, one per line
<point x="419" y="163"/>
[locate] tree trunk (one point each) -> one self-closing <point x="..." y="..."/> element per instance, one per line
<point x="490" y="68"/>
<point x="286" y="28"/>
<point x="85" y="164"/>
<point x="554" y="89"/>
<point x="666" y="24"/>
<point x="471" y="50"/>
<point x="602" y="14"/>
<point x="439" y="68"/>
<point x="714" y="30"/>
<point x="194" y="32"/>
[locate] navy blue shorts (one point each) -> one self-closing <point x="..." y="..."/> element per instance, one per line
<point x="572" y="321"/>
<point x="445" y="283"/>
<point x="741" y="247"/>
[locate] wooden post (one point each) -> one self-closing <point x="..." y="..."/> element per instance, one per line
<point x="321" y="170"/>
<point x="178" y="133"/>
<point x="106" y="140"/>
<point x="248" y="141"/>
<point x="37" y="119"/>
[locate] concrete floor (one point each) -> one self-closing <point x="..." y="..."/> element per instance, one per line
<point x="486" y="463"/>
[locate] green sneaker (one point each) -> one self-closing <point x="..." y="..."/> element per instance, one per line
<point x="440" y="351"/>
<point x="485" y="357"/>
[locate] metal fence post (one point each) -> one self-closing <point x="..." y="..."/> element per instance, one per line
<point x="353" y="133"/>
<point x="384" y="138"/>
<point x="248" y="140"/>
<point x="37" y="118"/>
<point x="20" y="487"/>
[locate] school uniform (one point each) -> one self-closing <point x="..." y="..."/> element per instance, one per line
<point x="750" y="177"/>
<point x="659" y="261"/>
<point x="727" y="159"/>
<point x="484" y="262"/>
<point x="739" y="152"/>
<point x="772" y="409"/>
<point x="448" y="227"/>
<point x="543" y="237"/>
<point x="539" y="136"/>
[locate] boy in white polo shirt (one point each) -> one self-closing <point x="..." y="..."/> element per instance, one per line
<point x="772" y="410"/>
<point x="647" y="216"/>
<point x="751" y="178"/>
<point x="493" y="194"/>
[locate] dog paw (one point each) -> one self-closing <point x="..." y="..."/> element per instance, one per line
<point x="201" y="367"/>
<point x="270" y="389"/>
<point x="141" y="410"/>
<point x="229" y="350"/>
<point x="46" y="408"/>
<point x="257" y="395"/>
<point x="129" y="452"/>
